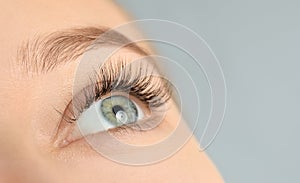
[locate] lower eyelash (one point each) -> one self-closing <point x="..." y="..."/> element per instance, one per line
<point x="145" y="125"/>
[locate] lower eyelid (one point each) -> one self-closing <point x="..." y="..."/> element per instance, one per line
<point x="142" y="138"/>
<point x="128" y="134"/>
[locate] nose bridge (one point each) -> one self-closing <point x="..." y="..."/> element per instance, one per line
<point x="17" y="170"/>
<point x="18" y="157"/>
<point x="18" y="160"/>
<point x="14" y="117"/>
<point x="15" y="152"/>
<point x="22" y="171"/>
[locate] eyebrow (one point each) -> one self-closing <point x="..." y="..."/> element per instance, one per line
<point x="45" y="52"/>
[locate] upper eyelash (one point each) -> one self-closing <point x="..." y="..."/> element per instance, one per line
<point x="139" y="83"/>
<point x="117" y="75"/>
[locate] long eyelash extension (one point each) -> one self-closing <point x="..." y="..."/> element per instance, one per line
<point x="138" y="80"/>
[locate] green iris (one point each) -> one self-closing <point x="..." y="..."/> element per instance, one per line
<point x="119" y="110"/>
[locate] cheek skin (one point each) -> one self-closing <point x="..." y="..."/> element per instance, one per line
<point x="187" y="165"/>
<point x="80" y="163"/>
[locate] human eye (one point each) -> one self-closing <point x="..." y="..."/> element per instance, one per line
<point x="119" y="96"/>
<point x="113" y="111"/>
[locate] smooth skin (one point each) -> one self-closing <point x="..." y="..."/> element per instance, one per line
<point x="27" y="123"/>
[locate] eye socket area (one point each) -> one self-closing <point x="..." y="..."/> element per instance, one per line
<point x="144" y="88"/>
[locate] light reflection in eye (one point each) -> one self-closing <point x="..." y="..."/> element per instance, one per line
<point x="109" y="113"/>
<point x="119" y="110"/>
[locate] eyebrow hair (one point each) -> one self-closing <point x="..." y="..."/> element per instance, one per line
<point x="45" y="53"/>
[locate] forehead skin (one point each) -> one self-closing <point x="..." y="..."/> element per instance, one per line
<point x="21" y="160"/>
<point x="23" y="19"/>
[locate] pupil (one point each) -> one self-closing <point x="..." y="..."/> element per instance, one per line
<point x="116" y="109"/>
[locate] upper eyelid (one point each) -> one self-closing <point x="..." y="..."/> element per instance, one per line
<point x="106" y="82"/>
<point x="45" y="53"/>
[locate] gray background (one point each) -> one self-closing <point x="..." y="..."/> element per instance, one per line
<point x="257" y="43"/>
